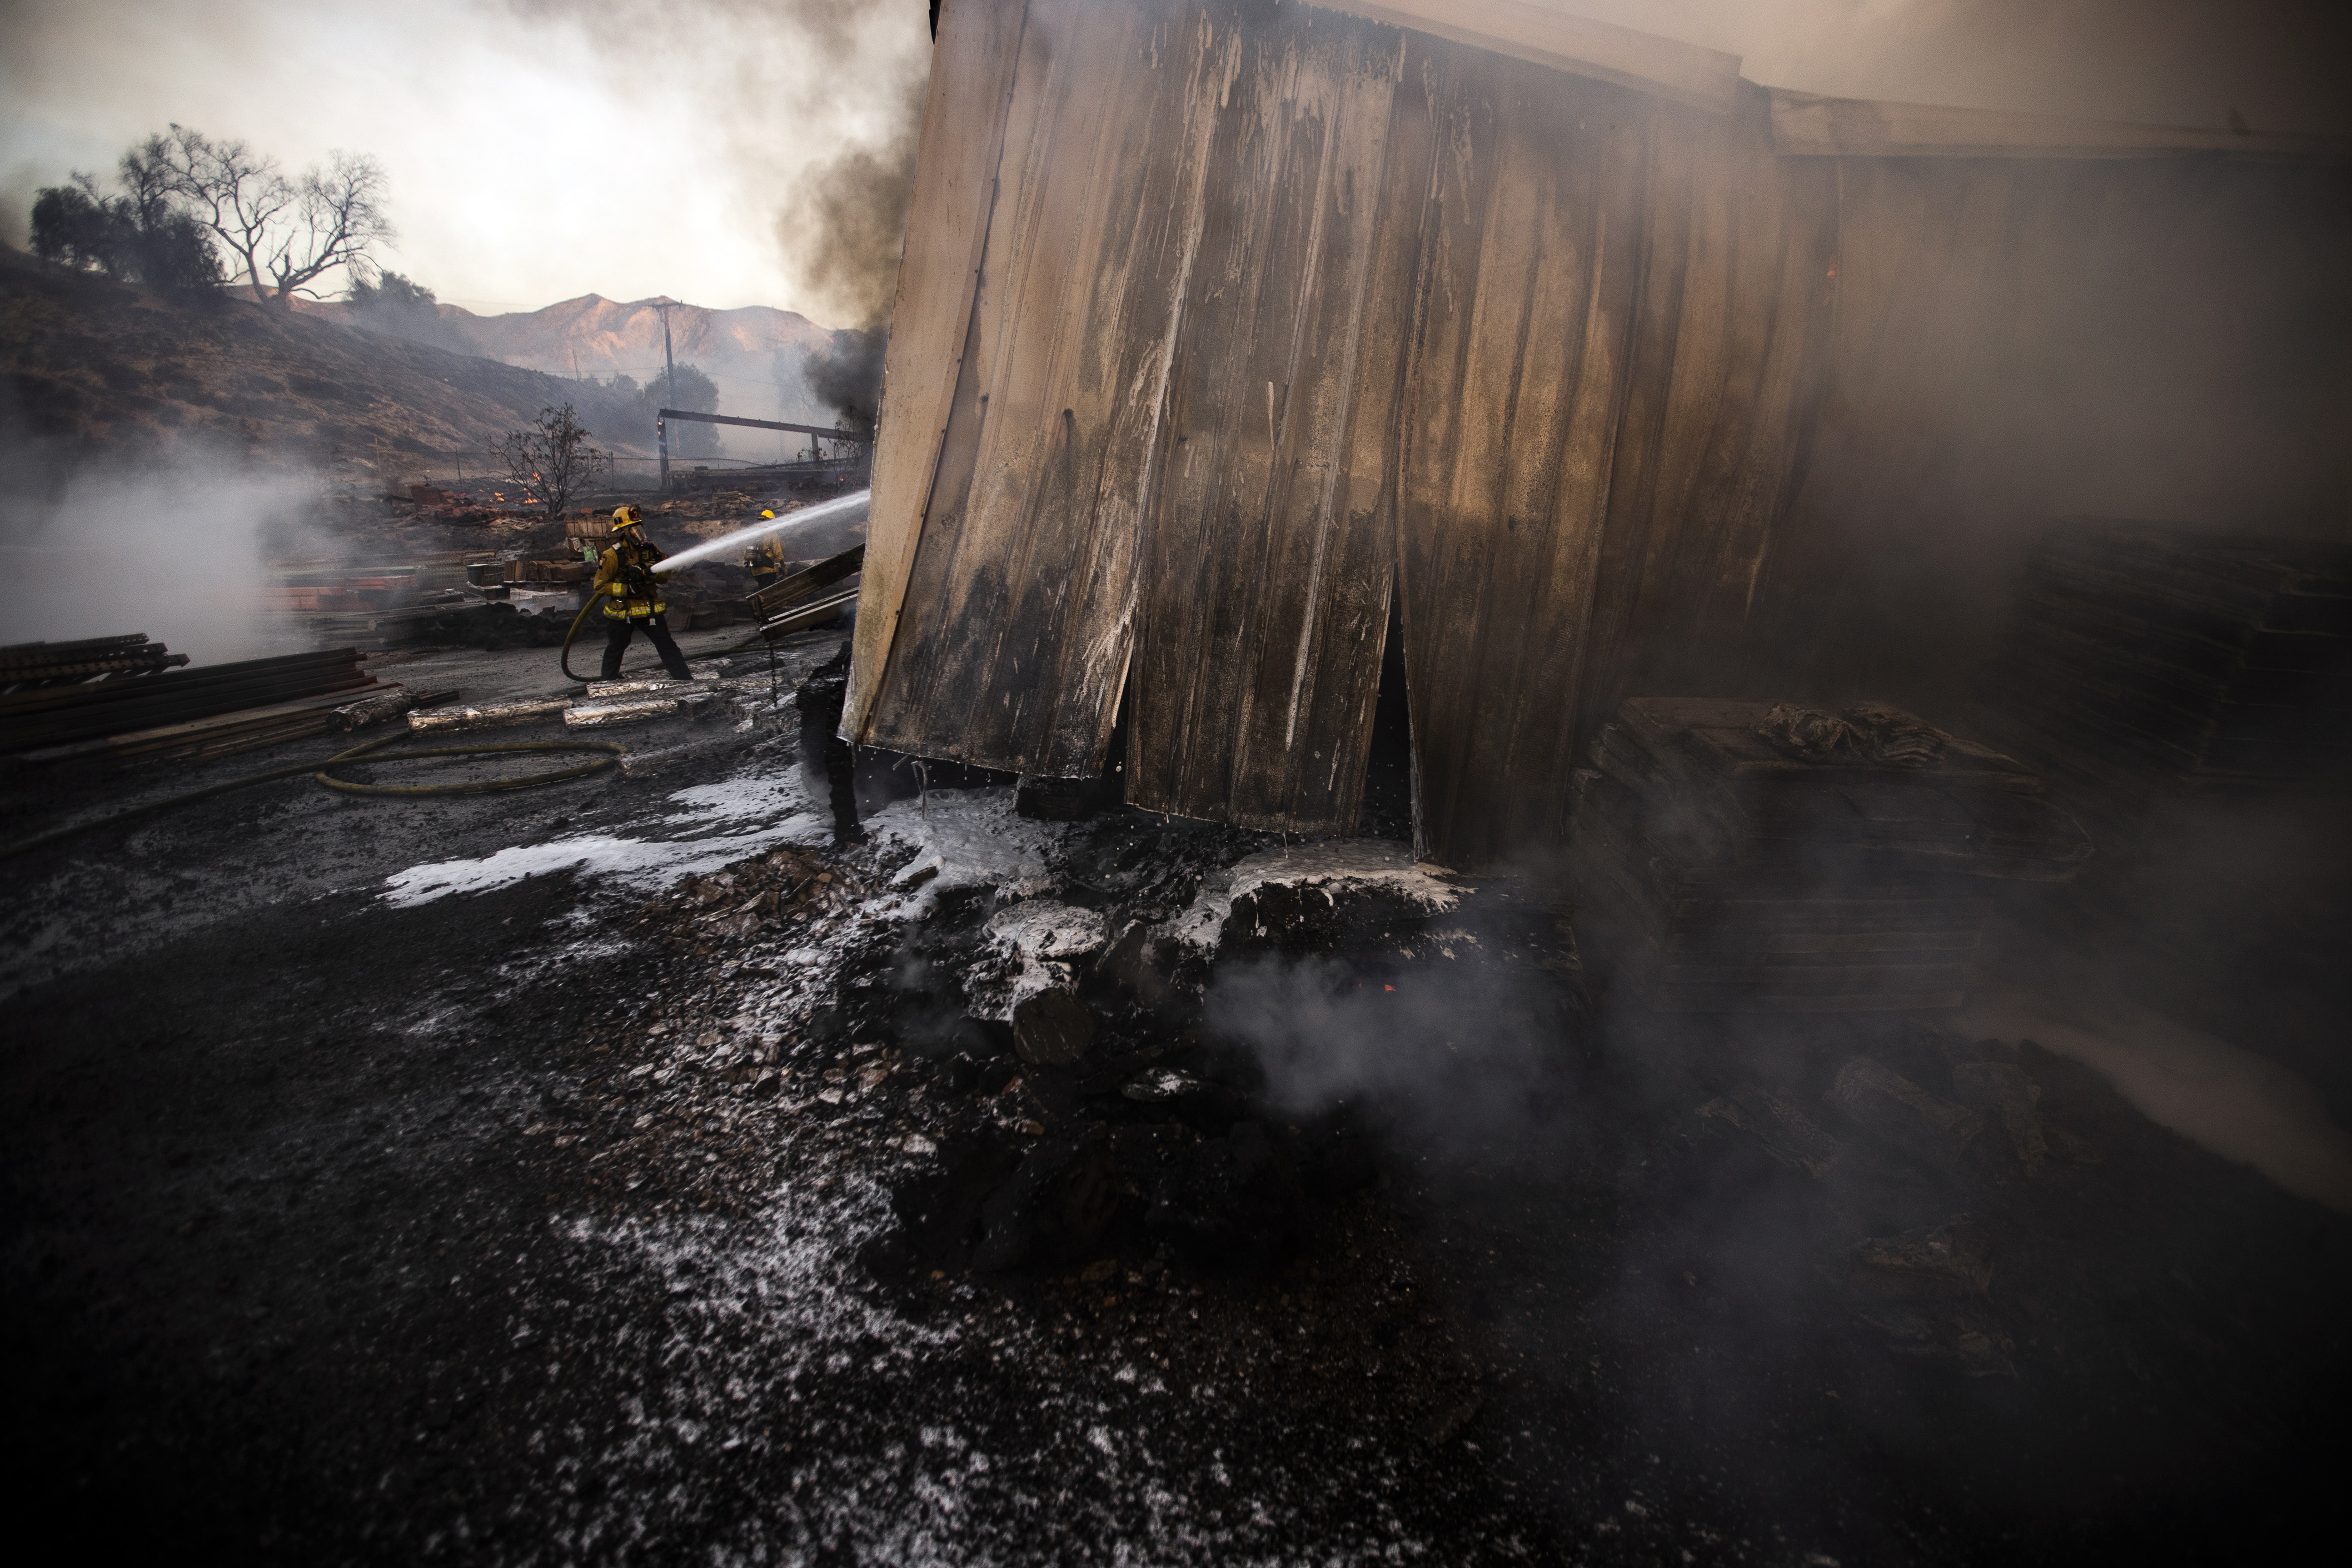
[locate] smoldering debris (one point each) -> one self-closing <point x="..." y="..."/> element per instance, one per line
<point x="1746" y="857"/>
<point x="1886" y="1199"/>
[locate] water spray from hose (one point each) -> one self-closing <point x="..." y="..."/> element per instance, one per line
<point x="834" y="511"/>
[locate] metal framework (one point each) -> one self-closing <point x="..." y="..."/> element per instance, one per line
<point x="663" y="417"/>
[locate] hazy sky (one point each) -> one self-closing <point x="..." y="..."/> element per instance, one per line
<point x="540" y="150"/>
<point x="537" y="151"/>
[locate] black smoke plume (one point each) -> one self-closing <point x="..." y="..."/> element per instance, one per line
<point x="843" y="227"/>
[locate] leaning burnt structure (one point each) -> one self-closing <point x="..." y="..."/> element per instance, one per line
<point x="1233" y="338"/>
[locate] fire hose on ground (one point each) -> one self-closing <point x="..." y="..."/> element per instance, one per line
<point x="369" y="752"/>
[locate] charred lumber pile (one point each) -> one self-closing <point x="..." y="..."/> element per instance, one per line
<point x="25" y="666"/>
<point x="2189" y="695"/>
<point x="1737" y="857"/>
<point x="817" y="592"/>
<point x="375" y="606"/>
<point x="2143" y="660"/>
<point x="207" y="711"/>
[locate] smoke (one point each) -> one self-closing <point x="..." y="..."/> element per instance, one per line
<point x="844" y="227"/>
<point x="1451" y="1054"/>
<point x="172" y="547"/>
<point x="775" y="78"/>
<point x="847" y="377"/>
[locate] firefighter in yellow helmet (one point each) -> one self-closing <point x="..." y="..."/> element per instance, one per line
<point x="765" y="560"/>
<point x="633" y="599"/>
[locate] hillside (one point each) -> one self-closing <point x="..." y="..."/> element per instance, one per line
<point x="756" y="354"/>
<point x="103" y="366"/>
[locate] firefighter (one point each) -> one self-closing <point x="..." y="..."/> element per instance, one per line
<point x="765" y="559"/>
<point x="633" y="600"/>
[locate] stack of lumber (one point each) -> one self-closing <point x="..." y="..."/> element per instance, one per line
<point x="36" y="664"/>
<point x="810" y="595"/>
<point x="373" y="605"/>
<point x="2189" y="695"/>
<point x="1716" y="871"/>
<point x="2145" y="659"/>
<point x="205" y="711"/>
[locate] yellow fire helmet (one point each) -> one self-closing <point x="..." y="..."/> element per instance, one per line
<point x="625" y="517"/>
<point x="765" y="515"/>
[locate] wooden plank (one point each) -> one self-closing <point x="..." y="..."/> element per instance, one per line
<point x="1510" y="406"/>
<point x="956" y="160"/>
<point x="1807" y="124"/>
<point x="1545" y="33"/>
<point x="1025" y="570"/>
<point x="1729" y="360"/>
<point x="1268" y="564"/>
<point x="134" y="741"/>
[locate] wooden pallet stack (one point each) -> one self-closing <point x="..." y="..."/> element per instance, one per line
<point x="1715" y="871"/>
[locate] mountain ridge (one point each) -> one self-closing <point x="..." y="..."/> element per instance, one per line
<point x="757" y="354"/>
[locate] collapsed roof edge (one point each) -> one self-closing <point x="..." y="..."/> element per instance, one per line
<point x="1540" y="32"/>
<point x="1806" y="124"/>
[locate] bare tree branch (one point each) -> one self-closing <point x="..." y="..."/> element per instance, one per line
<point x="287" y="233"/>
<point x="338" y="218"/>
<point x="236" y="192"/>
<point x="554" y="459"/>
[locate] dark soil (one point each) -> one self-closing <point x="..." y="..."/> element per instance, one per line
<point x="518" y="1226"/>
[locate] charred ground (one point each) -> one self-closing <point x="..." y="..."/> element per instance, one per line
<point x="545" y="1223"/>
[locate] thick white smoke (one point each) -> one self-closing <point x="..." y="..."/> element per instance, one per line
<point x="171" y="548"/>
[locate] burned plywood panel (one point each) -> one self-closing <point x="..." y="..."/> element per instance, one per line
<point x="1530" y="237"/>
<point x="954" y="189"/>
<point x="1264" y="307"/>
<point x="1021" y="583"/>
<point x="1270" y="554"/>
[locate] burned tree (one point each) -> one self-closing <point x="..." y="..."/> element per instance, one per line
<point x="289" y="233"/>
<point x="554" y="459"/>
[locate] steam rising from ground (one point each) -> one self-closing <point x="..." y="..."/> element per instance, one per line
<point x="1449" y="1055"/>
<point x="171" y="548"/>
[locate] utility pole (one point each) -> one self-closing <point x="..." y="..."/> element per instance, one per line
<point x="669" y="390"/>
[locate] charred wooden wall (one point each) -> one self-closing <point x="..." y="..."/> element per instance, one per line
<point x="1220" y="322"/>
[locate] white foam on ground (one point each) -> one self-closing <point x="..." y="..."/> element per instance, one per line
<point x="724" y="822"/>
<point x="961" y="838"/>
<point x="1028" y="942"/>
<point x="1340" y="864"/>
<point x="2242" y="1106"/>
<point x="1040" y="928"/>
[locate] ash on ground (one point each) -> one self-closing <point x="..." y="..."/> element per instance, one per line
<point x="655" y="1178"/>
